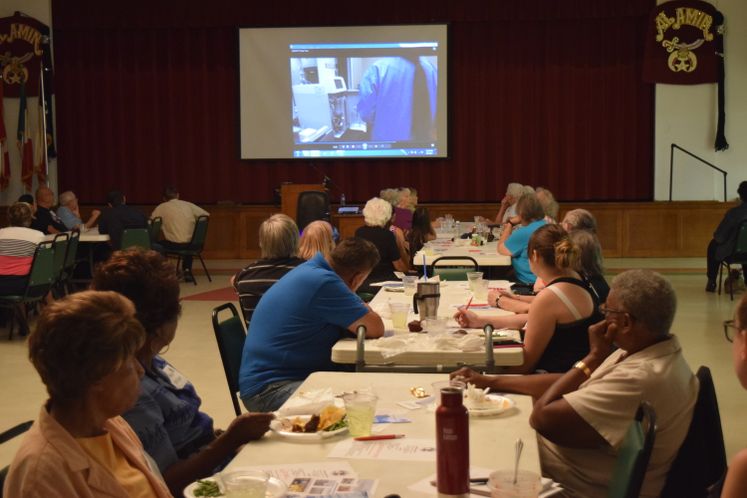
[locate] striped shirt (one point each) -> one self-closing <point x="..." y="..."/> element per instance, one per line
<point x="253" y="281"/>
<point x="17" y="248"/>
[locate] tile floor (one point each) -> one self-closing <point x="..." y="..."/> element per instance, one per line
<point x="698" y="324"/>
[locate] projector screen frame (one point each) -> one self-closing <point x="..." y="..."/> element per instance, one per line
<point x="443" y="123"/>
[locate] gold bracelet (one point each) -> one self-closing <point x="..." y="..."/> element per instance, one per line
<point x="582" y="366"/>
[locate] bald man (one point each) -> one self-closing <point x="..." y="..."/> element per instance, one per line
<point x="46" y="220"/>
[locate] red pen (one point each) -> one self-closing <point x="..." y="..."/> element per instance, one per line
<point x="379" y="437"/>
<point x="469" y="302"/>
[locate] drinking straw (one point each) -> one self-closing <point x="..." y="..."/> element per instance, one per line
<point x="425" y="269"/>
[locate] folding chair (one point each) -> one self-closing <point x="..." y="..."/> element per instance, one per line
<point x="230" y="335"/>
<point x="60" y="243"/>
<point x="635" y="452"/>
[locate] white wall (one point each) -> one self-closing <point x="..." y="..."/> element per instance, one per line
<point x="41" y="10"/>
<point x="686" y="115"/>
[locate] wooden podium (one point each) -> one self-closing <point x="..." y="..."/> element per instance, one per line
<point x="289" y="193"/>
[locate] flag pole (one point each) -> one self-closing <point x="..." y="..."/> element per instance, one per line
<point x="43" y="124"/>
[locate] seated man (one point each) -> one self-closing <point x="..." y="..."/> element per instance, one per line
<point x="45" y="219"/>
<point x="725" y="237"/>
<point x="119" y="216"/>
<point x="69" y="212"/>
<point x="300" y="318"/>
<point x="178" y="224"/>
<point x="582" y="415"/>
<point x="278" y="243"/>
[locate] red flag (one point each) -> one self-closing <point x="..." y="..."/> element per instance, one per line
<point x="25" y="145"/>
<point x="4" y="158"/>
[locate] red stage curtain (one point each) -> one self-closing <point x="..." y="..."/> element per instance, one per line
<point x="541" y="92"/>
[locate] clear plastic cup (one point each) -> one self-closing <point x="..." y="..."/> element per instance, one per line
<point x="480" y="290"/>
<point x="399" y="313"/>
<point x="410" y="283"/>
<point x="473" y="277"/>
<point x="245" y="483"/>
<point x="436" y="326"/>
<point x="360" y="408"/>
<point x="501" y="484"/>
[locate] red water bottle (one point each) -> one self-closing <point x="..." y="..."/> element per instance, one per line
<point x="452" y="445"/>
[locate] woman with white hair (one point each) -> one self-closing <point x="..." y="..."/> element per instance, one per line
<point x="389" y="240"/>
<point x="508" y="203"/>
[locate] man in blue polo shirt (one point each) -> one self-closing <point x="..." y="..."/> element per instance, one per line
<point x="300" y="318"/>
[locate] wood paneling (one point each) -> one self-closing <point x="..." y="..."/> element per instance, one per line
<point x="626" y="229"/>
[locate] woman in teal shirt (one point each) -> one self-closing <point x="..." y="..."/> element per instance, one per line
<point x="514" y="240"/>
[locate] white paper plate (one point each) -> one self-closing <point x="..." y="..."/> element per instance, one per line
<point x="498" y="404"/>
<point x="275" y="488"/>
<point x="304" y="437"/>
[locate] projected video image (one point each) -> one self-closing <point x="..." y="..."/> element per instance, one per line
<point x="352" y="99"/>
<point x="343" y="91"/>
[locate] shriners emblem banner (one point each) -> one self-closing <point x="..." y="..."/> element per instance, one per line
<point x="685" y="46"/>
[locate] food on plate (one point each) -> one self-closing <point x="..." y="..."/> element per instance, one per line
<point x="415" y="326"/>
<point x="476" y="398"/>
<point x="207" y="488"/>
<point x="330" y="418"/>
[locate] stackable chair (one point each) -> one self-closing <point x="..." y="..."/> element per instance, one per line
<point x="135" y="237"/>
<point x="40" y="281"/>
<point x="456" y="267"/>
<point x="634" y="454"/>
<point x="737" y="257"/>
<point x="195" y="246"/>
<point x="230" y="335"/>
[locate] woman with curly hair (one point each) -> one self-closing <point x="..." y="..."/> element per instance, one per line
<point x="167" y="416"/>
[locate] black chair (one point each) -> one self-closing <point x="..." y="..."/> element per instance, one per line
<point x="230" y="335"/>
<point x="195" y="246"/>
<point x="701" y="460"/>
<point x="456" y="268"/>
<point x="154" y="228"/>
<point x="738" y="256"/>
<point x="635" y="452"/>
<point x="312" y="205"/>
<point x="7" y="436"/>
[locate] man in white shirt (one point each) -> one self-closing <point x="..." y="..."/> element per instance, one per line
<point x="582" y="416"/>
<point x="178" y="224"/>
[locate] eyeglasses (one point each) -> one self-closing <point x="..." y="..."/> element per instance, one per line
<point x="604" y="310"/>
<point x="730" y="330"/>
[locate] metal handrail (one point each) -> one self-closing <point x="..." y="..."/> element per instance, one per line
<point x="671" y="167"/>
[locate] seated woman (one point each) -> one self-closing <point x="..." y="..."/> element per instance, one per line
<point x="316" y="237"/>
<point x="17" y="247"/>
<point x="513" y="241"/>
<point x="735" y="484"/>
<point x="389" y="241"/>
<point x="579" y="219"/>
<point x="507" y="208"/>
<point x="167" y="416"/>
<point x="549" y="204"/>
<point x="588" y="265"/>
<point x="84" y="350"/>
<point x="556" y="326"/>
<point x="422" y="231"/>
